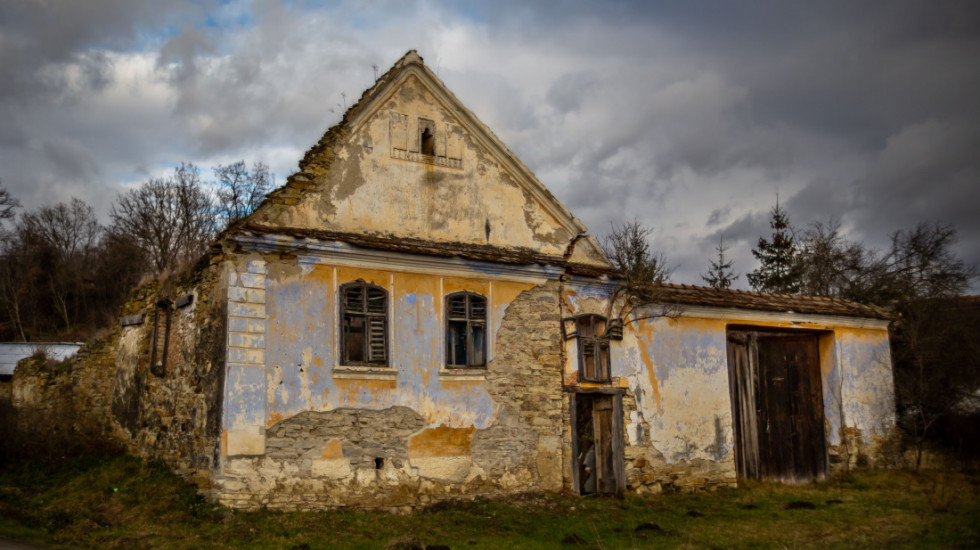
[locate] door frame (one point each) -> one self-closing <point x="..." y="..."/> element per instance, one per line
<point x="753" y="450"/>
<point x="617" y="443"/>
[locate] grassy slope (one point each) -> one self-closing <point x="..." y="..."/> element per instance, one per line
<point x="122" y="503"/>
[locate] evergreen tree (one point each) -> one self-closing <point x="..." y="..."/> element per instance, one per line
<point x="720" y="275"/>
<point x="779" y="272"/>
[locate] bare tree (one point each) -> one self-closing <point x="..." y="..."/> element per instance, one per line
<point x="67" y="234"/>
<point x="720" y="273"/>
<point x="830" y="265"/>
<point x="240" y="191"/>
<point x="15" y="291"/>
<point x="7" y="204"/>
<point x="195" y="209"/>
<point x="170" y="219"/>
<point x="639" y="293"/>
<point x="935" y="360"/>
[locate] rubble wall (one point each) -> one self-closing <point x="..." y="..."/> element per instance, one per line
<point x="169" y="411"/>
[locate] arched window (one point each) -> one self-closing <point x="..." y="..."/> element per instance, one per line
<point x="364" y="324"/>
<point x="466" y="330"/>
<point x="593" y="348"/>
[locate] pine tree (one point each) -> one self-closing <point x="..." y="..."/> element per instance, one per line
<point x="720" y="275"/>
<point x="779" y="272"/>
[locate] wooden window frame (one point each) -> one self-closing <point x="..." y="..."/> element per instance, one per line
<point x="375" y="319"/>
<point x="472" y="320"/>
<point x="598" y="340"/>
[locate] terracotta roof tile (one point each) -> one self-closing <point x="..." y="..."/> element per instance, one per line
<point x="741" y="299"/>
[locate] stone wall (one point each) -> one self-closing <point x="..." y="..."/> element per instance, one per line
<point x="171" y="413"/>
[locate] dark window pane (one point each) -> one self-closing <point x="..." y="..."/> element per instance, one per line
<point x="456" y="340"/>
<point x="355" y="339"/>
<point x="479" y="353"/>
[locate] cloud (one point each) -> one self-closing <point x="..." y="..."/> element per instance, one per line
<point x="689" y="117"/>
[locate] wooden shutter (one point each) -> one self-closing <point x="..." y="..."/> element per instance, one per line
<point x="377" y="339"/>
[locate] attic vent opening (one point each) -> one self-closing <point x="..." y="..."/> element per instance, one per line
<point x="428" y="142"/>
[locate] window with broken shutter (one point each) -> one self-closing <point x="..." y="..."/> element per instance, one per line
<point x="593" y="348"/>
<point x="466" y="329"/>
<point x="364" y="322"/>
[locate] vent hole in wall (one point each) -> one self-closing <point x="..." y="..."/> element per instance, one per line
<point x="379" y="463"/>
<point x="428" y="141"/>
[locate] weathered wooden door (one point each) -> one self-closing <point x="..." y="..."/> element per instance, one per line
<point x="597" y="421"/>
<point x="777" y="405"/>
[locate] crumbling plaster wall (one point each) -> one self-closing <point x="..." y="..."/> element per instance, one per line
<point x="678" y="405"/>
<point x="677" y="408"/>
<point x="864" y="396"/>
<point x="300" y="430"/>
<point x="372" y="179"/>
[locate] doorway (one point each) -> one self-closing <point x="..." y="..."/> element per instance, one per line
<point x="777" y="405"/>
<point x="597" y="443"/>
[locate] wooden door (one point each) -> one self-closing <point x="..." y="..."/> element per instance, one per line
<point x="791" y="408"/>
<point x="777" y="406"/>
<point x="597" y="421"/>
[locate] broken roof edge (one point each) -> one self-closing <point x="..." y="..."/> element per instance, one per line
<point x="319" y="157"/>
<point x="487" y="253"/>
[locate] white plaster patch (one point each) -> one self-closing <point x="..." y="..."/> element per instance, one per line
<point x="446" y="468"/>
<point x="332" y="468"/>
<point x="245" y="442"/>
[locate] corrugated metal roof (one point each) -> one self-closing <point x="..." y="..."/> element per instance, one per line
<point x="12" y="352"/>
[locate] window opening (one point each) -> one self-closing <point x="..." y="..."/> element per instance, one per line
<point x="379" y="463"/>
<point x="466" y="319"/>
<point x="593" y="348"/>
<point x="161" y="338"/>
<point x="364" y="321"/>
<point x="428" y="142"/>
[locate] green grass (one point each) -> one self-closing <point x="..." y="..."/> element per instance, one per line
<point x="123" y="503"/>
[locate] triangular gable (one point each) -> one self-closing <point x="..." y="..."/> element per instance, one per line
<point x="408" y="160"/>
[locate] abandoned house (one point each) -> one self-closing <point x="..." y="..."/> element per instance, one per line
<point x="413" y="317"/>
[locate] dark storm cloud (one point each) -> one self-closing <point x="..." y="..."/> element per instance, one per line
<point x="689" y="116"/>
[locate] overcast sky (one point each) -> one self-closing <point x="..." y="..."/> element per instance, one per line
<point x="688" y="116"/>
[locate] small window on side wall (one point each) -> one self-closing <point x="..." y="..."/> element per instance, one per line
<point x="466" y="330"/>
<point x="364" y="324"/>
<point x="593" y="348"/>
<point x="161" y="338"/>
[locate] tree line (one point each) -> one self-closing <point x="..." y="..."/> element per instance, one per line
<point x="63" y="274"/>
